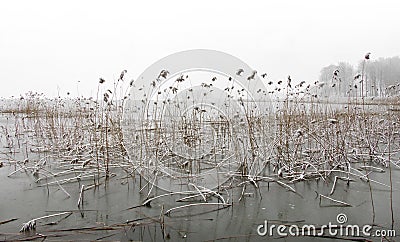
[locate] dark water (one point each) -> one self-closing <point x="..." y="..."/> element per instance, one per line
<point x="20" y="198"/>
<point x="108" y="207"/>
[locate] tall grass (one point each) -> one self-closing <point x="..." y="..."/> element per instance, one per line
<point x="303" y="139"/>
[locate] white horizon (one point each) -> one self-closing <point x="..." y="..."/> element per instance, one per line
<point x="60" y="47"/>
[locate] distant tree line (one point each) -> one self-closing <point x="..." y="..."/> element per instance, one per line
<point x="380" y="77"/>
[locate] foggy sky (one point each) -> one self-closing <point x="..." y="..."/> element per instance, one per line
<point x="48" y="46"/>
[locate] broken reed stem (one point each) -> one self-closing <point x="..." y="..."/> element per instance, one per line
<point x="242" y="193"/>
<point x="198" y="190"/>
<point x="162" y="223"/>
<point x="333" y="200"/>
<point x="31" y="224"/>
<point x="215" y="193"/>
<point x="147" y="201"/>
<point x="285" y="185"/>
<point x="8" y="221"/>
<point x="62" y="189"/>
<point x="192" y="196"/>
<point x="360" y="176"/>
<point x="80" y="200"/>
<point x="72" y="179"/>
<point x="152" y="185"/>
<point x="333" y="186"/>
<point x="195" y="204"/>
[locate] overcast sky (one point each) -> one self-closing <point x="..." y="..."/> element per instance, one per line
<point x="47" y="46"/>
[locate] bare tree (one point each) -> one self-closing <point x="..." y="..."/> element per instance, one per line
<point x="338" y="79"/>
<point x="383" y="76"/>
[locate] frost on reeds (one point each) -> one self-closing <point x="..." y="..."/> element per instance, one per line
<point x="303" y="138"/>
<point x="80" y="134"/>
<point x="31" y="224"/>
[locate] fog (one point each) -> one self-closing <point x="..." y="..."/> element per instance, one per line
<point x="59" y="47"/>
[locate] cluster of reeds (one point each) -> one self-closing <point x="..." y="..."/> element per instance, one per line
<point x="81" y="131"/>
<point x="304" y="138"/>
